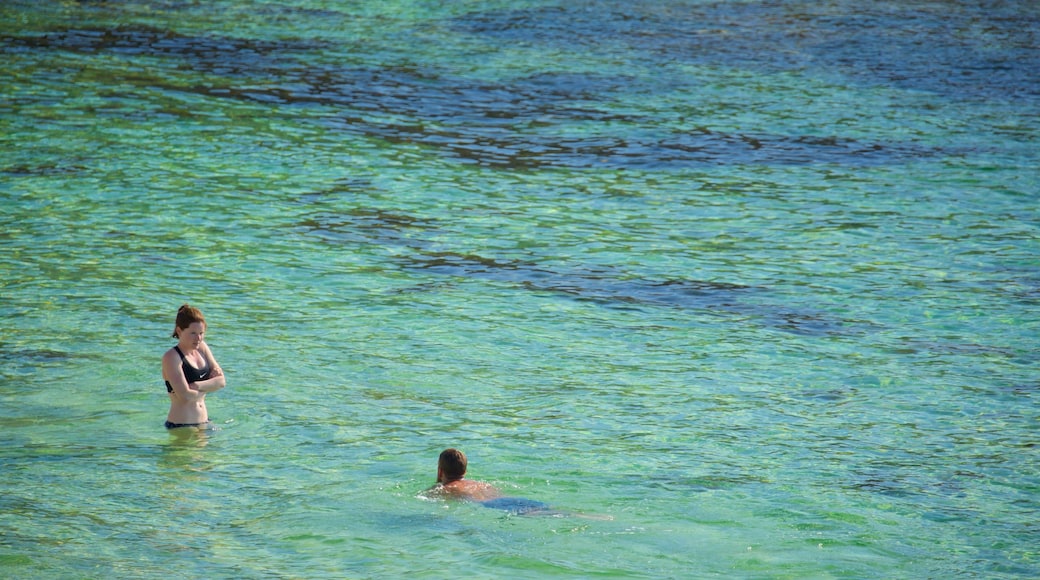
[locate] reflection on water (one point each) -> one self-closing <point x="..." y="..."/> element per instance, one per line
<point x="183" y="443"/>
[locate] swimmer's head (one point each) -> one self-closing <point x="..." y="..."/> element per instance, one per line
<point x="186" y="316"/>
<point x="451" y="466"/>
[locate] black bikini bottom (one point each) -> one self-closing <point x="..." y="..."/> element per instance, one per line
<point x="177" y="425"/>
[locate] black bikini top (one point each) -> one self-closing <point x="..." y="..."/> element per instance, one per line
<point x="191" y="374"/>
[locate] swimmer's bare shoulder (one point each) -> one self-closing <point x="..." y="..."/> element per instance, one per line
<point x="466" y="489"/>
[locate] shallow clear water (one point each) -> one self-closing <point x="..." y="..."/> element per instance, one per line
<point x="757" y="280"/>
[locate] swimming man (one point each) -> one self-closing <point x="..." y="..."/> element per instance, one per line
<point x="452" y="484"/>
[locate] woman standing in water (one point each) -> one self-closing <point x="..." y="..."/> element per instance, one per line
<point x="190" y="371"/>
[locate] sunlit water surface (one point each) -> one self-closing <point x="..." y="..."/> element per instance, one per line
<point x="754" y="284"/>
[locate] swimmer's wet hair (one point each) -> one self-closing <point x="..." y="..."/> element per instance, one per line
<point x="452" y="464"/>
<point x="186" y="316"/>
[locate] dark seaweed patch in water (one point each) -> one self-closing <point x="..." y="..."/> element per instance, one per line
<point x="367" y="225"/>
<point x="501" y="147"/>
<point x="207" y="53"/>
<point x="511" y="127"/>
<point x="9" y="354"/>
<point x="970" y="51"/>
<point x="41" y="170"/>
<point x="39" y="355"/>
<point x="593" y="283"/>
<point x="603" y="285"/>
<point x="804" y="323"/>
<point x="520" y="126"/>
<point x="618" y="289"/>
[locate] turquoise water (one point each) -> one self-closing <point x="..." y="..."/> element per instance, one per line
<point x="759" y="281"/>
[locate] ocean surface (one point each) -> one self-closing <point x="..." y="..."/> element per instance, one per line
<point x="745" y="289"/>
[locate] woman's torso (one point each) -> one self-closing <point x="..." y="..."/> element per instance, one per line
<point x="187" y="412"/>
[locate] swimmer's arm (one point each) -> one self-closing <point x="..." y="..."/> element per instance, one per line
<point x="208" y="385"/>
<point x="172" y="372"/>
<point x="216" y="380"/>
